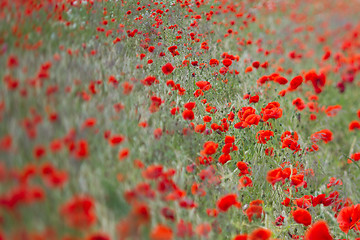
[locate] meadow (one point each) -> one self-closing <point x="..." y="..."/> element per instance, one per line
<point x="181" y="119"/>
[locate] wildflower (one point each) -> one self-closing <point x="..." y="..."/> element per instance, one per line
<point x="302" y="216"/>
<point x="349" y="218"/>
<point x="260" y="234"/>
<point x="188" y="114"/>
<point x="319" y="230"/>
<point x="296" y="82"/>
<point x="264" y="135"/>
<point x="214" y="62"/>
<point x="354" y="125"/>
<point x="225" y="202"/>
<point x="161" y="232"/>
<point x="326" y="135"/>
<point x="79" y="212"/>
<point x="167" y="69"/>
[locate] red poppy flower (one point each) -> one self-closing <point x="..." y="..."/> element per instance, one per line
<point x="184" y="229"/>
<point x="354" y="157"/>
<point x="325" y="135"/>
<point x="188" y="115"/>
<point x="214" y="62"/>
<point x="190" y="105"/>
<point x="331" y="111"/>
<point x="161" y="232"/>
<point x="148" y="81"/>
<point x="279" y="220"/>
<point x="116" y="139"/>
<point x="245" y="181"/>
<point x="167" y="69"/>
<point x="254" y="209"/>
<point x="318" y="231"/>
<point x="302" y="216"/>
<point x="123" y="154"/>
<point x="79" y="212"/>
<point x="227" y="62"/>
<point x="296" y="82"/>
<point x="210" y="148"/>
<point x="241" y="237"/>
<point x="264" y="135"/>
<point x="260" y="234"/>
<point x="256" y="64"/>
<point x="274" y="176"/>
<point x="203" y="230"/>
<point x="299" y="104"/>
<point x="98" y="236"/>
<point x="158" y="133"/>
<point x="243" y="167"/>
<point x="254" y="99"/>
<point x="272" y="110"/>
<point x="227" y="201"/>
<point x="349" y="218"/>
<point x="153" y="172"/>
<point x="317" y="80"/>
<point x="354" y="125"/>
<point x="333" y="181"/>
<point x="281" y="80"/>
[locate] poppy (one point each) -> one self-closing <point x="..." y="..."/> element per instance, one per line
<point x="254" y="209"/>
<point x="254" y="99"/>
<point x="116" y="139"/>
<point x="281" y="80"/>
<point x="153" y="172"/>
<point x="274" y="176"/>
<point x="349" y="218"/>
<point x="272" y="110"/>
<point x="279" y="220"/>
<point x="158" y="133"/>
<point x="188" y="114"/>
<point x="210" y="148"/>
<point x="123" y="154"/>
<point x="302" y="216"/>
<point x="354" y="157"/>
<point x="161" y="232"/>
<point x="332" y="111"/>
<point x="79" y="212"/>
<point x="98" y="236"/>
<point x="256" y="64"/>
<point x="214" y="62"/>
<point x="296" y="82"/>
<point x="190" y="105"/>
<point x="167" y="68"/>
<point x="227" y="62"/>
<point x="243" y="167"/>
<point x="260" y="234"/>
<point x="299" y="104"/>
<point x="333" y="181"/>
<point x="203" y="229"/>
<point x="248" y="69"/>
<point x="264" y="135"/>
<point x="241" y="237"/>
<point x="325" y="135"/>
<point x="245" y="181"/>
<point x="148" y="81"/>
<point x="225" y="202"/>
<point x="184" y="229"/>
<point x="318" y="199"/>
<point x="81" y="149"/>
<point x="212" y="212"/>
<point x="354" y="125"/>
<point x="318" y="231"/>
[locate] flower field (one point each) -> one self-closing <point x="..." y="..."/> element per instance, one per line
<point x="182" y="119"/>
